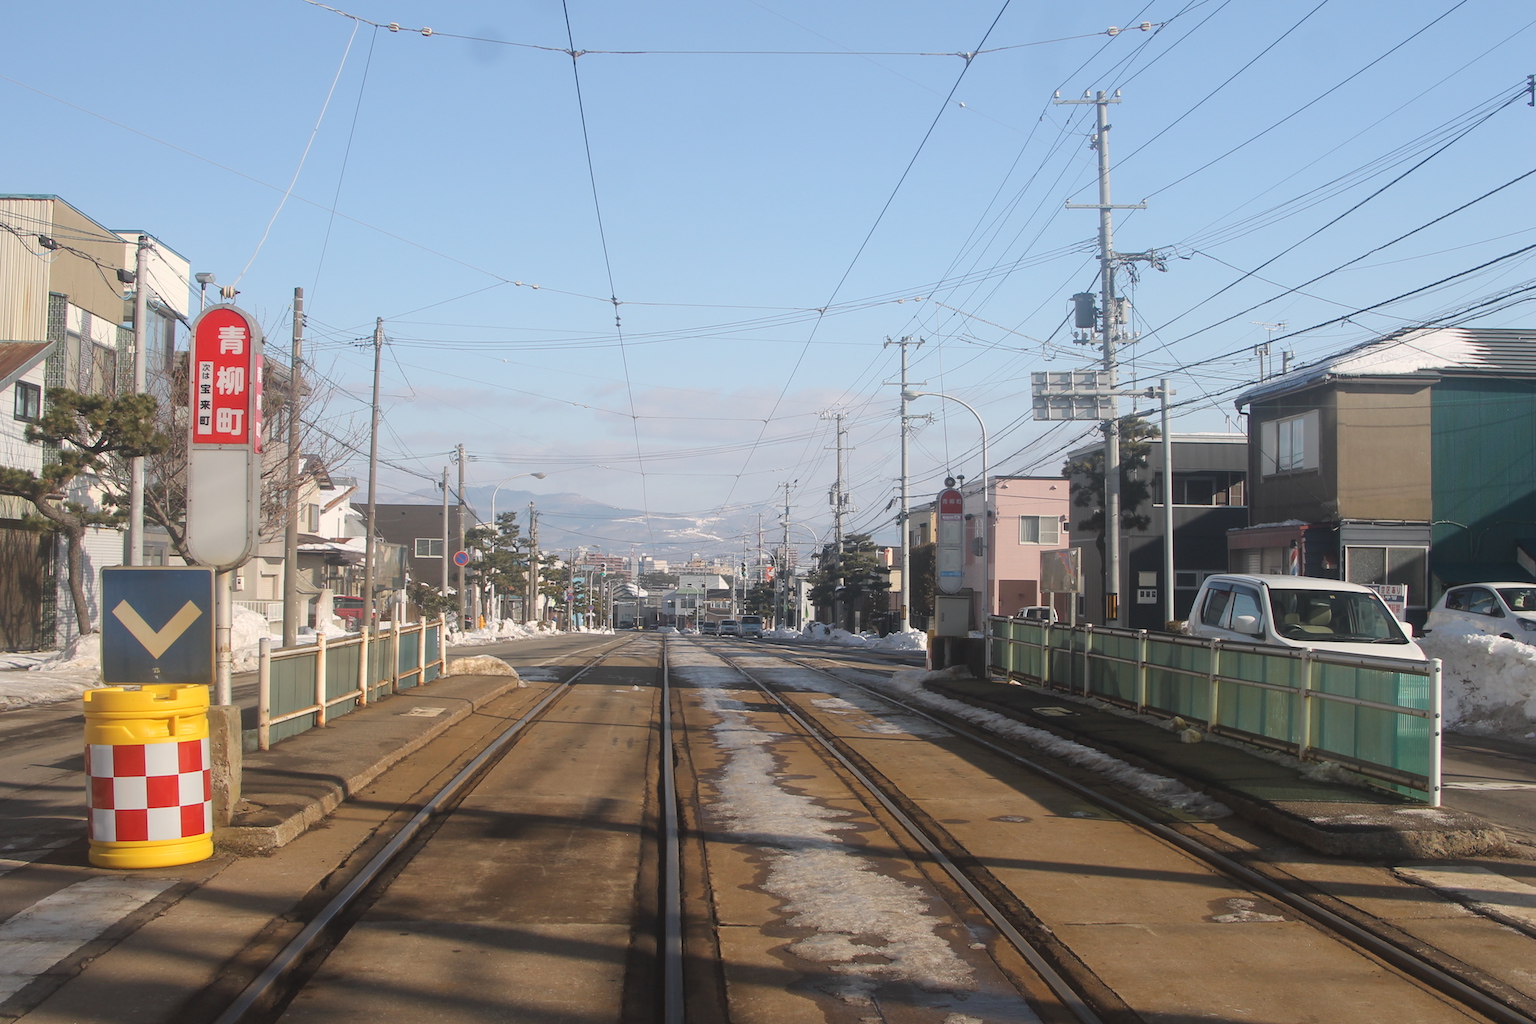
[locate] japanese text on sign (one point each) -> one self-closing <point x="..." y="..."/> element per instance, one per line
<point x="227" y="383"/>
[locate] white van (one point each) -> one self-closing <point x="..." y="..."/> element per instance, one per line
<point x="1300" y="611"/>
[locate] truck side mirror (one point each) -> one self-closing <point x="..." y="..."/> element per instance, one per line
<point x="1247" y="624"/>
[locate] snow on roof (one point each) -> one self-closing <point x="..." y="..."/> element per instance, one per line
<point x="1414" y="352"/>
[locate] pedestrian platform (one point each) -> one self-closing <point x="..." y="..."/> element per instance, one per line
<point x="1328" y="816"/>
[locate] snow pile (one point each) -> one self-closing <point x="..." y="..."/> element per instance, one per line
<point x="246" y="629"/>
<point x="816" y="631"/>
<point x="908" y="685"/>
<point x="1489" y="682"/>
<point x="847" y="639"/>
<point x="853" y="913"/>
<point x="49" y="677"/>
<point x="506" y="629"/>
<point x="784" y="633"/>
<point x="911" y="640"/>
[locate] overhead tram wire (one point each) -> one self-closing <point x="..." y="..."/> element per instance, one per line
<point x="1164" y="345"/>
<point x="878" y="218"/>
<point x="1310" y="103"/>
<point x="341" y="175"/>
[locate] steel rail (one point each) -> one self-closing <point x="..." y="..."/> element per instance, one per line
<point x="1410" y="964"/>
<point x="671" y="879"/>
<point x="1064" y="991"/>
<point x="301" y="944"/>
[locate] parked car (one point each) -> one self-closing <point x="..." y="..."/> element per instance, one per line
<point x="730" y="627"/>
<point x="709" y="628"/>
<point x="752" y="625"/>
<point x="1499" y="609"/>
<point x="1038" y="612"/>
<point x="1300" y="611"/>
<point x="666" y="629"/>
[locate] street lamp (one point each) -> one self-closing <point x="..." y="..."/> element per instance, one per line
<point x="986" y="509"/>
<point x="496" y="605"/>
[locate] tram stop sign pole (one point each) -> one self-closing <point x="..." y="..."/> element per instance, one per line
<point x="224" y="459"/>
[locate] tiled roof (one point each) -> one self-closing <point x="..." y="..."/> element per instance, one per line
<point x="1419" y="352"/>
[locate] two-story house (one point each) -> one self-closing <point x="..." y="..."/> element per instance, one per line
<point x="1409" y="459"/>
<point x="65" y="322"/>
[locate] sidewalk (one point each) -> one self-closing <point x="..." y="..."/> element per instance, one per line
<point x="1328" y="817"/>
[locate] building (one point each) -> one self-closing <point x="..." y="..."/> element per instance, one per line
<point x="1407" y="460"/>
<point x="1210" y="492"/>
<point x="419" y="529"/>
<point x="66" y="306"/>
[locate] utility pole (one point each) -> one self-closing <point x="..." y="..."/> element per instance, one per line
<point x="760" y="543"/>
<point x="1110" y="320"/>
<point x="839" y="504"/>
<point x="784" y="554"/>
<point x="462" y="607"/>
<point x="140" y="381"/>
<point x="906" y="544"/>
<point x="442" y="587"/>
<point x="1168" y="615"/>
<point x="291" y="534"/>
<point x="373" y="473"/>
<point x="531" y="612"/>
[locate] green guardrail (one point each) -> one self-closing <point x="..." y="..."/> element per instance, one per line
<point x="1380" y="717"/>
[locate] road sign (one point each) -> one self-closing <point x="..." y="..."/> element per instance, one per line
<point x="1074" y="395"/>
<point x="950" y="556"/>
<point x="224" y="437"/>
<point x="461" y="558"/>
<point x="157" y="626"/>
<point x="1061" y="571"/>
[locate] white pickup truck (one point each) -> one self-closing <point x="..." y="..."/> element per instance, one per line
<point x="1300" y="611"/>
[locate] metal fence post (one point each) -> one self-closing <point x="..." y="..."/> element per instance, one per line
<point x="1047" y="651"/>
<point x="1088" y="660"/>
<point x="1304" y="741"/>
<point x="364" y="675"/>
<point x="421" y="651"/>
<point x="264" y="693"/>
<point x="1436" y="729"/>
<point x="394" y="655"/>
<point x="1141" y="671"/>
<point x="442" y="643"/>
<point x="320" y="679"/>
<point x="1211" y="701"/>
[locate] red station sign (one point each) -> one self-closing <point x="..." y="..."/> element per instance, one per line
<point x="226" y="379"/>
<point x="951" y="502"/>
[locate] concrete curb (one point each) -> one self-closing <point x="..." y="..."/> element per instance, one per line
<point x="260" y="840"/>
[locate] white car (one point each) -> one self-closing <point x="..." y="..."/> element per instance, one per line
<point x="1300" y="611"/>
<point x="1499" y="609"/>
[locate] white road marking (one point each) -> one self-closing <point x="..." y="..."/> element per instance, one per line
<point x="26" y="854"/>
<point x="54" y="927"/>
<point x="1485" y="890"/>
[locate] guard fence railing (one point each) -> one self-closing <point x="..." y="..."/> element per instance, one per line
<point x="299" y="688"/>
<point x="1378" y="716"/>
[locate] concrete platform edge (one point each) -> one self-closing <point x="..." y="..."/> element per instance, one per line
<point x="1465" y="836"/>
<point x="264" y="839"/>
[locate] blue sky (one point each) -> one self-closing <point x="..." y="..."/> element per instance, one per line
<point x="777" y="201"/>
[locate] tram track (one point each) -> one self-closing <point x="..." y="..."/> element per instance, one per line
<point x="1425" y="965"/>
<point x="267" y="995"/>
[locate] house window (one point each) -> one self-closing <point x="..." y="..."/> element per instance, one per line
<point x="429" y="547"/>
<point x="1039" y="530"/>
<point x="1405" y="566"/>
<point x="29" y="401"/>
<point x="1289" y="445"/>
<point x="311" y="518"/>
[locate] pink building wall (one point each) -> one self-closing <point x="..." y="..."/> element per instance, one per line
<point x="1016" y="564"/>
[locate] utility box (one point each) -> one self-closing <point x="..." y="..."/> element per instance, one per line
<point x="952" y="614"/>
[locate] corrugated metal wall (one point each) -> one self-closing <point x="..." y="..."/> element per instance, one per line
<point x="1483" y="436"/>
<point x="24" y="277"/>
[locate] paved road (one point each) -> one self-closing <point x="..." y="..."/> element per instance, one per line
<point x="1494" y="779"/>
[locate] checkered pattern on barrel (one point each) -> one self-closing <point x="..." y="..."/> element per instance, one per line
<point x="149" y="791"/>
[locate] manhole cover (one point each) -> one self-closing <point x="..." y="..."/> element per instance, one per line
<point x="424" y="712"/>
<point x="1055" y="712"/>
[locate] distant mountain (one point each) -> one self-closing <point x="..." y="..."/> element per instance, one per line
<point x="569" y="520"/>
